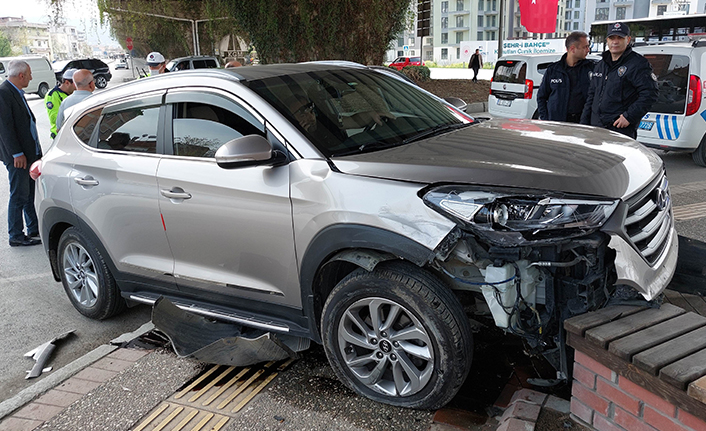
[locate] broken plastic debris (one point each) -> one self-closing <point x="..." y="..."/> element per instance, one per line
<point x="41" y="355"/>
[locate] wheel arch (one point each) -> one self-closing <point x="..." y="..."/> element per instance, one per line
<point x="55" y="222"/>
<point x="338" y="250"/>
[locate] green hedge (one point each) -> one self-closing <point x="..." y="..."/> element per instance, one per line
<point x="417" y="73"/>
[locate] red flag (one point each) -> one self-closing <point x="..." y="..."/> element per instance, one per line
<point x="539" y="16"/>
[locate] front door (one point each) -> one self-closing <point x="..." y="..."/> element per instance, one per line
<point x="230" y="230"/>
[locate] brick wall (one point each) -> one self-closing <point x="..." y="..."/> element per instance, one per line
<point x="609" y="402"/>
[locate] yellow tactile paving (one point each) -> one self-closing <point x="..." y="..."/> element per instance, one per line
<point x="208" y="403"/>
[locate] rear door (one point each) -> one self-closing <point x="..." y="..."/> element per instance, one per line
<point x="664" y="121"/>
<point x="113" y="187"/>
<point x="508" y="88"/>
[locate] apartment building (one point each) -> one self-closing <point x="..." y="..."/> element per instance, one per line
<point x="27" y="37"/>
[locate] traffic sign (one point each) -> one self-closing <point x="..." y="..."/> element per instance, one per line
<point x="129" y="43"/>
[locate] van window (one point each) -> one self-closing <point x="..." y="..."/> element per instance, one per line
<point x="541" y="68"/>
<point x="510" y="71"/>
<point x="672" y="73"/>
<point x="2" y="68"/>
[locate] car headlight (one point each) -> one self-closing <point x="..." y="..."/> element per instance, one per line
<point x="509" y="211"/>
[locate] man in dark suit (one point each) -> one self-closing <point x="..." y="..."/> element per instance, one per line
<point x="19" y="148"/>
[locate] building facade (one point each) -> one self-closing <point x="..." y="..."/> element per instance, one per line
<point x="26" y="37"/>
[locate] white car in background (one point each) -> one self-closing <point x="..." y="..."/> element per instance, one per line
<point x="677" y="121"/>
<point x="516" y="80"/>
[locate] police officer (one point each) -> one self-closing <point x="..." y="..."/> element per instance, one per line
<point x="564" y="88"/>
<point x="57" y="95"/>
<point x="156" y="63"/>
<point x="623" y="86"/>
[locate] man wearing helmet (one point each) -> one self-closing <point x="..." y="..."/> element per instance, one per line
<point x="156" y="63"/>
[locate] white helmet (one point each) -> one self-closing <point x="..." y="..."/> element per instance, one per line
<point x="154" y="59"/>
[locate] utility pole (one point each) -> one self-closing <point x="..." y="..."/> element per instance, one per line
<point x="501" y="27"/>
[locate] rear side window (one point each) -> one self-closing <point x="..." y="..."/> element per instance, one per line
<point x="85" y="125"/>
<point x="2" y="68"/>
<point x="199" y="64"/>
<point x="211" y="63"/>
<point x="133" y="129"/>
<point x="672" y="73"/>
<point x="510" y="71"/>
<point x="541" y="68"/>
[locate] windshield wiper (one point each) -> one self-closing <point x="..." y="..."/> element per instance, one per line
<point x="436" y="130"/>
<point x="364" y="148"/>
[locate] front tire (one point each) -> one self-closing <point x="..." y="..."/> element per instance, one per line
<point x="397" y="335"/>
<point x="101" y="82"/>
<point x="87" y="281"/>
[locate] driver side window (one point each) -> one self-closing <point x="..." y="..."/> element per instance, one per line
<point x="199" y="129"/>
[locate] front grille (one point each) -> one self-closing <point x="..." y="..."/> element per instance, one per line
<point x="649" y="219"/>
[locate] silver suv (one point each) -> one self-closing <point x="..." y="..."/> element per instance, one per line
<point x="341" y="204"/>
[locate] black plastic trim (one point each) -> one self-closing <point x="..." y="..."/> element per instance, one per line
<point x="349" y="236"/>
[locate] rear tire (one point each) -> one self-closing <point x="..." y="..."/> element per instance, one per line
<point x="397" y="335"/>
<point x="43" y="89"/>
<point x="699" y="154"/>
<point x="101" y="82"/>
<point x="87" y="281"/>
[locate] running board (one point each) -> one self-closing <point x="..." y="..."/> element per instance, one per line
<point x="228" y="317"/>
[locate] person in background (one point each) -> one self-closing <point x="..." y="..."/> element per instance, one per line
<point x="156" y="63"/>
<point x="19" y="148"/>
<point x="85" y="85"/>
<point x="475" y="63"/>
<point x="57" y="95"/>
<point x="564" y="89"/>
<point x="623" y="86"/>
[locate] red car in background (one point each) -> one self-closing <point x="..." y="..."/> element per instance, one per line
<point x="401" y="62"/>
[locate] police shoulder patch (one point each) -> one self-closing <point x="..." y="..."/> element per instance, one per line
<point x="654" y="77"/>
<point x="622" y="70"/>
<point x="50" y="105"/>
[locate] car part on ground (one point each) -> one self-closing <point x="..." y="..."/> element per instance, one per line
<point x="326" y="200"/>
<point x="42" y="353"/>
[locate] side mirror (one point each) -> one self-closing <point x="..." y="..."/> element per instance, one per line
<point x="250" y="150"/>
<point x="457" y="103"/>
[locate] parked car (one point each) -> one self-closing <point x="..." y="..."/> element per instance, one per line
<point x="193" y="62"/>
<point x="516" y="80"/>
<point x="100" y="70"/>
<point x="341" y="204"/>
<point x="401" y="62"/>
<point x="42" y="74"/>
<point x="121" y="64"/>
<point x="677" y="121"/>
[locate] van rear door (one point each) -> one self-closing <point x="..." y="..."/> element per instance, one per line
<point x="664" y="121"/>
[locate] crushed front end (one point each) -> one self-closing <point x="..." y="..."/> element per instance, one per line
<point x="533" y="259"/>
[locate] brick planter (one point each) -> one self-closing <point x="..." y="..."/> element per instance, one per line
<point x="610" y="402"/>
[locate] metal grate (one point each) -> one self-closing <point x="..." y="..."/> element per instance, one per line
<point x="649" y="219"/>
<point x="208" y="402"/>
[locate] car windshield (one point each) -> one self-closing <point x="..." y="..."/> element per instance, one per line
<point x="348" y="111"/>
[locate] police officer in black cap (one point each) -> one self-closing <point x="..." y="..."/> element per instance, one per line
<point x="623" y="86"/>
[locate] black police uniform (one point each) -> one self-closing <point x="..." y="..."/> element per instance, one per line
<point x="564" y="90"/>
<point x="627" y="86"/>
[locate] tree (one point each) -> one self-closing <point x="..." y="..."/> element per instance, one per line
<point x="280" y="30"/>
<point x="5" y="46"/>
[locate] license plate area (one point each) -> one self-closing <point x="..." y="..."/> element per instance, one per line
<point x="503" y="102"/>
<point x="646" y="125"/>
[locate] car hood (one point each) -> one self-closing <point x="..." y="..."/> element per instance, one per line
<point x="542" y="155"/>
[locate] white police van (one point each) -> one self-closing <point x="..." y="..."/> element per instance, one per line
<point x="677" y="120"/>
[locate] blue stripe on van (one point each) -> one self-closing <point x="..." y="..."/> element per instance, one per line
<point x="666" y="127"/>
<point x="676" y="128"/>
<point x="659" y="127"/>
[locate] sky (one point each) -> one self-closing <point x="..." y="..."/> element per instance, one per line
<point x="82" y="14"/>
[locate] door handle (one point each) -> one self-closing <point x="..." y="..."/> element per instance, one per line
<point x="175" y="193"/>
<point x="87" y="181"/>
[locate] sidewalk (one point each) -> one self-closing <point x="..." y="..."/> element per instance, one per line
<point x="135" y="389"/>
